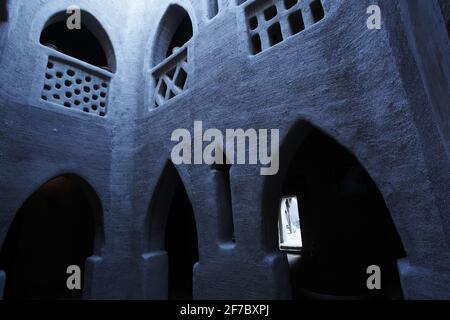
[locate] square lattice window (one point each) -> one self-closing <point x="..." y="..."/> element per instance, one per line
<point x="270" y="22"/>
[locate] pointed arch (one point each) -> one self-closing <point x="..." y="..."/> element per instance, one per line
<point x="345" y="223"/>
<point x="174" y="31"/>
<point x="59" y="225"/>
<point x="171" y="233"/>
<point x="90" y="44"/>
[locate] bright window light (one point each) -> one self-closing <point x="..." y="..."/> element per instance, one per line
<point x="290" y="235"/>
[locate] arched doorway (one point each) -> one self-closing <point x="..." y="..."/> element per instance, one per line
<point x="344" y="225"/>
<point x="56" y="227"/>
<point x="172" y="229"/>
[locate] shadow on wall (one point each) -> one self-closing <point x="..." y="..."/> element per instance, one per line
<point x="345" y="224"/>
<point x="3" y="10"/>
<point x="445" y="8"/>
<point x="172" y="229"/>
<point x="54" y="228"/>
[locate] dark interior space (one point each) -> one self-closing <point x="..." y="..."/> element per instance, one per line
<point x="181" y="244"/>
<point x="317" y="10"/>
<point x="346" y="226"/>
<point x="445" y="8"/>
<point x="53" y="229"/>
<point x="3" y="10"/>
<point x="80" y="44"/>
<point x="222" y="181"/>
<point x="182" y="35"/>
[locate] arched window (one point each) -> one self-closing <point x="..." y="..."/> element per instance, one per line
<point x="334" y="224"/>
<point x="171" y="230"/>
<point x="60" y="225"/>
<point x="71" y="84"/>
<point x="90" y="44"/>
<point x="170" y="54"/>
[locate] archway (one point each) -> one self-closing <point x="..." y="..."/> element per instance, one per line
<point x="172" y="229"/>
<point x="174" y="31"/>
<point x="59" y="225"/>
<point x="345" y="225"/>
<point x="90" y="43"/>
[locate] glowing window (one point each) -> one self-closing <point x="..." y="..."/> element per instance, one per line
<point x="290" y="235"/>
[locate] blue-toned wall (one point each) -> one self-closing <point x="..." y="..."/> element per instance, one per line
<point x="382" y="94"/>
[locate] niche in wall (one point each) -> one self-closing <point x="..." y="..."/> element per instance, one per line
<point x="57" y="226"/>
<point x="222" y="184"/>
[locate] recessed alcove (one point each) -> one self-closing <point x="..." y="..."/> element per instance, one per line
<point x="344" y="222"/>
<point x="171" y="228"/>
<point x="59" y="225"/>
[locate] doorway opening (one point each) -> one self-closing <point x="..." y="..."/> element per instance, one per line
<point x="173" y="230"/>
<point x="344" y="226"/>
<point x="54" y="229"/>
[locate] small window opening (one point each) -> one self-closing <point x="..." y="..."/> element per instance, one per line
<point x="317" y="10"/>
<point x="213" y="8"/>
<point x="256" y="44"/>
<point x="290" y="3"/>
<point x="270" y="13"/>
<point x="223" y="188"/>
<point x="296" y="22"/>
<point x="275" y="35"/>
<point x="253" y="23"/>
<point x="289" y="230"/>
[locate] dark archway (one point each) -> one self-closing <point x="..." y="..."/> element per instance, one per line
<point x="57" y="226"/>
<point x="172" y="228"/>
<point x="90" y="44"/>
<point x="174" y="31"/>
<point x="346" y="226"/>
